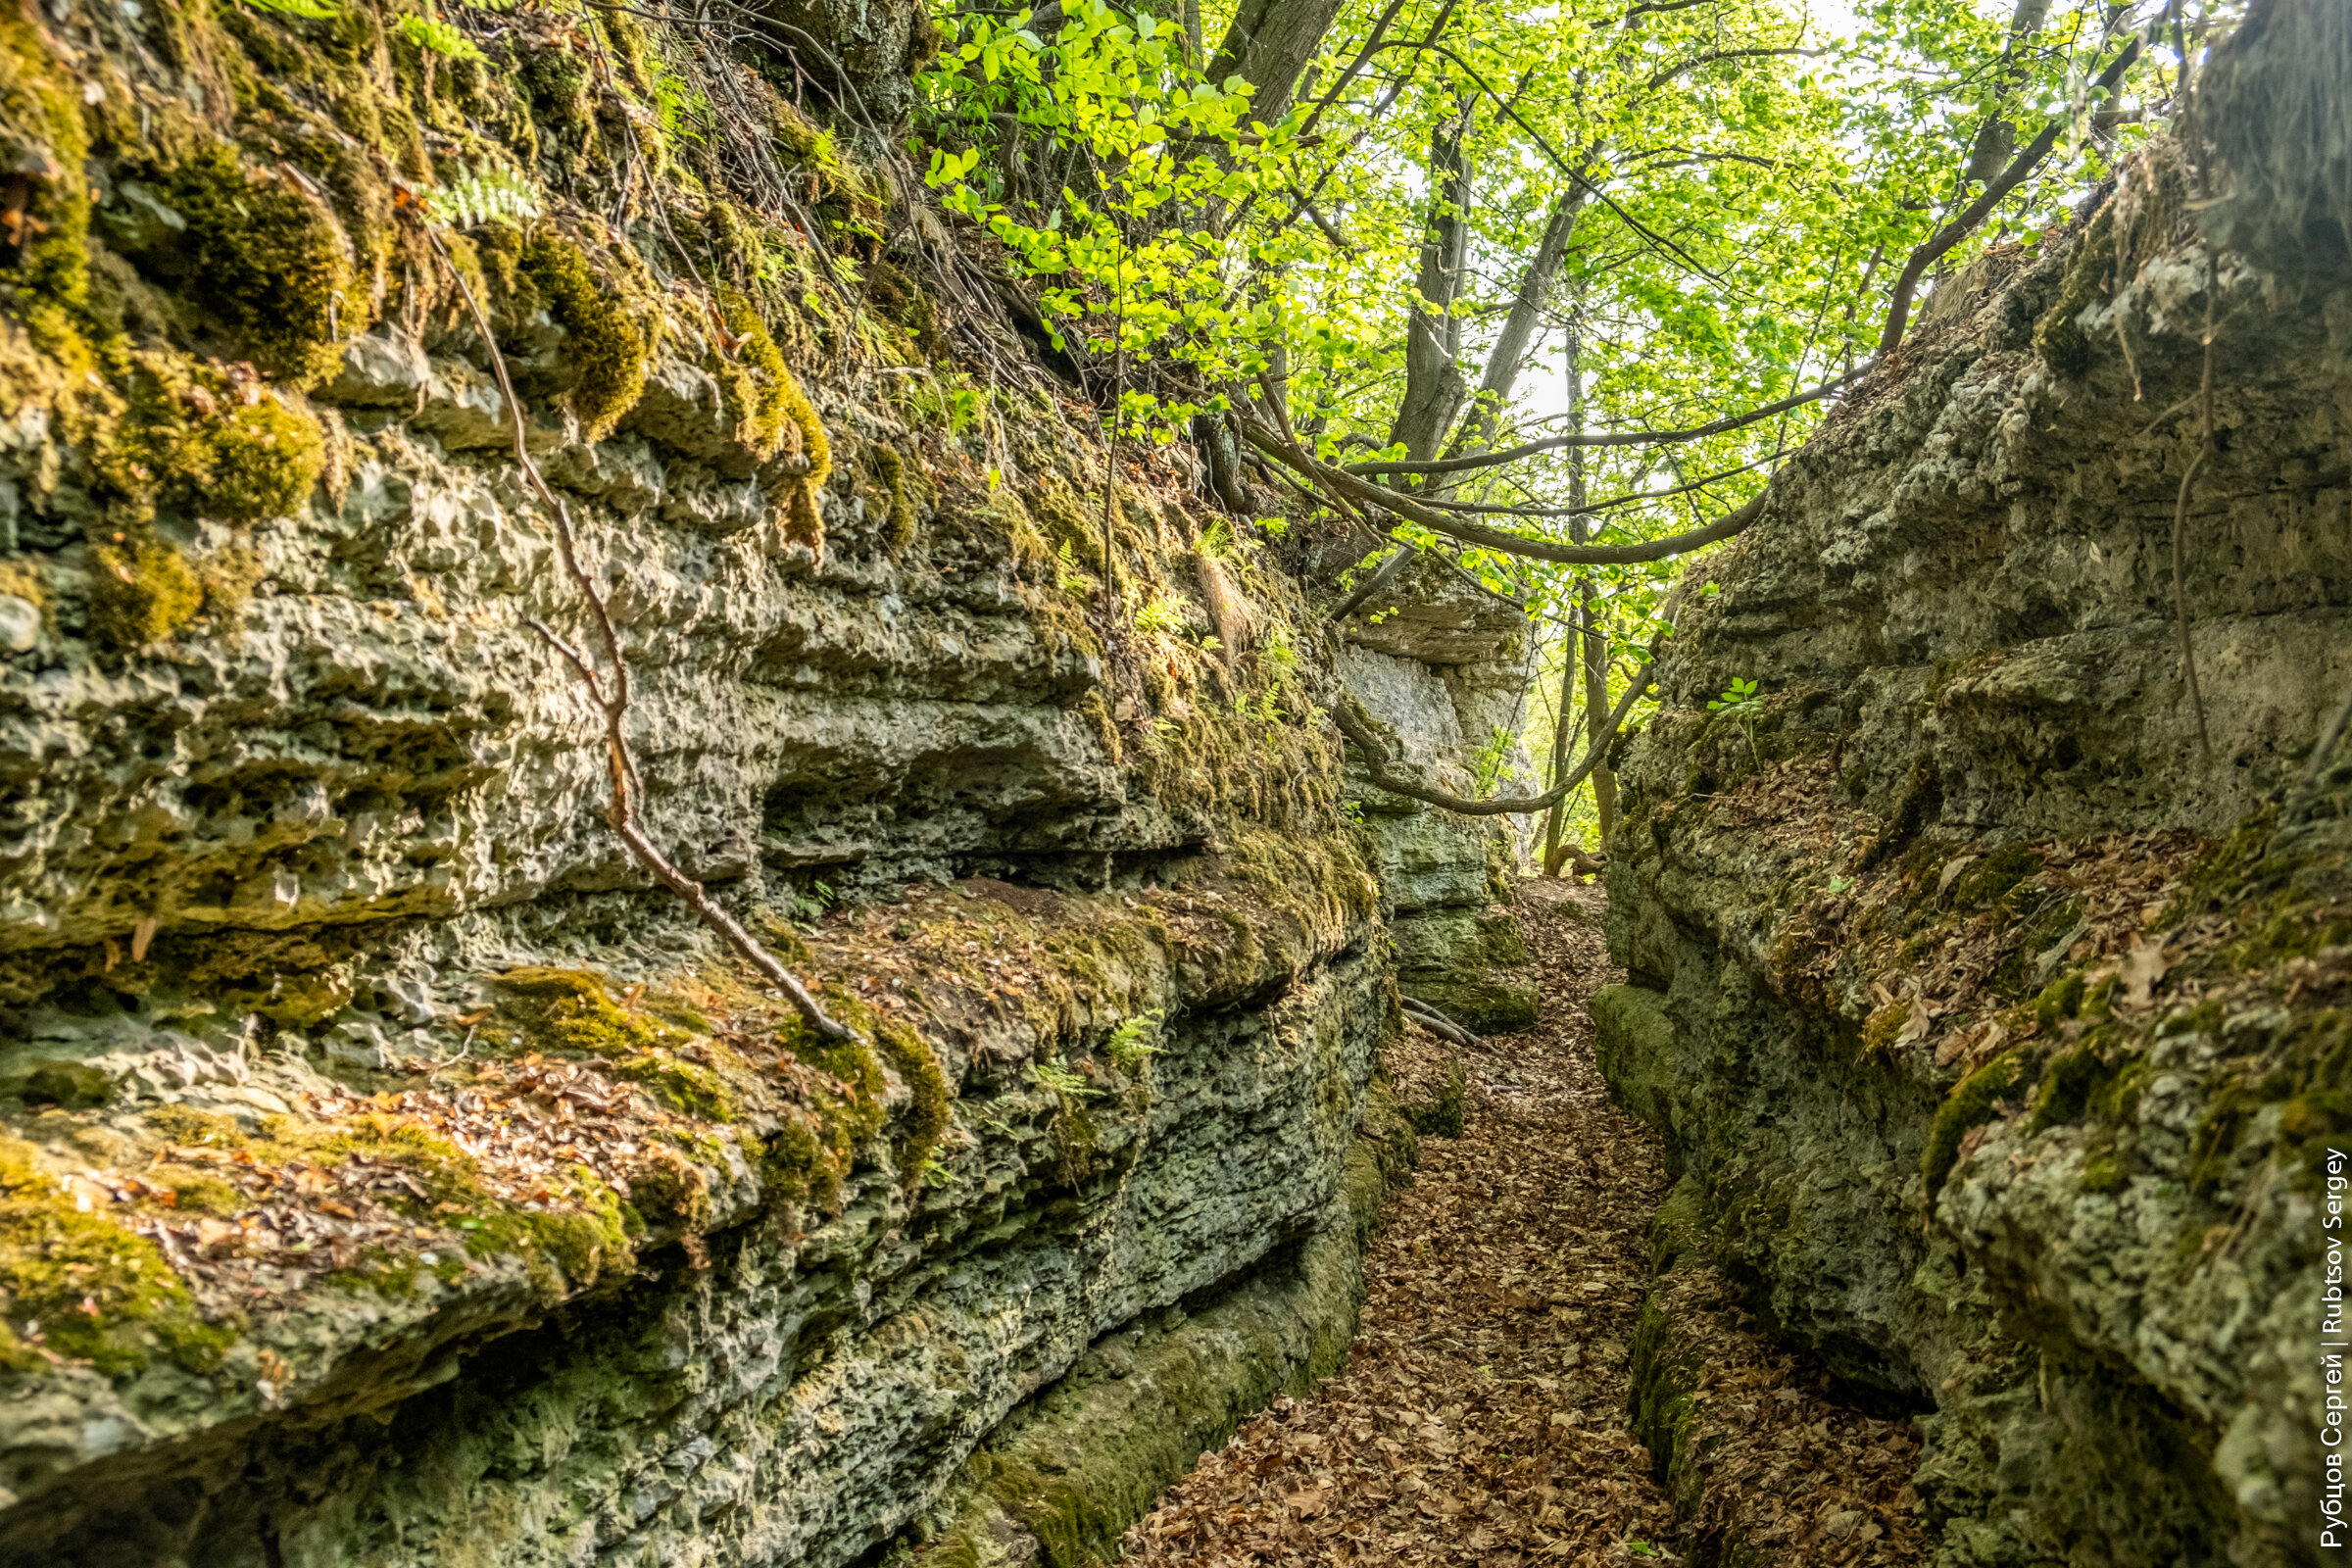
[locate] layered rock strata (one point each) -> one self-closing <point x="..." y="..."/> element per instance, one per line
<point x="1442" y="663"/>
<point x="388" y="1172"/>
<point x="1989" y="988"/>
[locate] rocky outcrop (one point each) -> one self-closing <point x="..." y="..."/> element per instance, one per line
<point x="1989" y="996"/>
<point x="389" y="1173"/>
<point x="1445" y="668"/>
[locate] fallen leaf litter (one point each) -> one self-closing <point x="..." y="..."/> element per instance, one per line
<point x="1481" y="1416"/>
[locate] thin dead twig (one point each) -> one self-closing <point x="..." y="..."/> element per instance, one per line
<point x="612" y="700"/>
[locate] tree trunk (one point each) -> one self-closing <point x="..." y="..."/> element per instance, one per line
<point x="1562" y="727"/>
<point x="1268" y="45"/>
<point x="1433" y="378"/>
<point x="1596" y="705"/>
<point x="1477" y="432"/>
<point x="1594" y="641"/>
<point x="1222" y="453"/>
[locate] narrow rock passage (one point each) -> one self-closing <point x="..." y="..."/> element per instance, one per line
<point x="1482" y="1418"/>
<point x="1482" y="1414"/>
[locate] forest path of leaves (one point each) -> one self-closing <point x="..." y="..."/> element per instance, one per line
<point x="1480" y="1418"/>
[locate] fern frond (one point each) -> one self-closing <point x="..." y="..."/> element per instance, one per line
<point x="487" y="195"/>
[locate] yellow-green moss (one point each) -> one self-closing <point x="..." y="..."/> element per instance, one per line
<point x="2103" y="1169"/>
<point x="902" y="300"/>
<point x="890" y="471"/>
<point x="805" y="524"/>
<point x="565" y="1248"/>
<point x="801" y="1165"/>
<point x="1053" y="502"/>
<point x="81" y="1287"/>
<point x="815" y="149"/>
<point x="1968" y="1106"/>
<point x="587" y="1244"/>
<point x="672" y="1189"/>
<point x="258" y="461"/>
<point x="607" y="347"/>
<point x="2067" y="1088"/>
<point x="142" y="591"/>
<point x="269" y="261"/>
<point x="2060" y="1000"/>
<point x="754" y="377"/>
<point x="773" y="414"/>
<point x="570" y="1010"/>
<point x="164" y="429"/>
<point x="1883" y="1024"/>
<point x="1984" y="885"/>
<point x="40" y="105"/>
<point x="927" y="1117"/>
<point x="1097" y="716"/>
<point x="25" y="579"/>
<point x="293" y="978"/>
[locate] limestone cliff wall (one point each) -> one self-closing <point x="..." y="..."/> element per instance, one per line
<point x="1443" y="663"/>
<point x="1994" y="1023"/>
<point x="390" y="1174"/>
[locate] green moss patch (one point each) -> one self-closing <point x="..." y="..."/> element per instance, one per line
<point x="141" y="592"/>
<point x="607" y="345"/>
<point x="270" y="262"/>
<point x="76" y="1286"/>
<point x="1970" y="1105"/>
<point x="42" y="109"/>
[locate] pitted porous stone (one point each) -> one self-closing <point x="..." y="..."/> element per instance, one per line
<point x="1980" y="1004"/>
<point x="1445" y="670"/>
<point x="392" y="1175"/>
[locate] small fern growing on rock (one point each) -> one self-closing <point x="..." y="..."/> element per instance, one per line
<point x="485" y="195"/>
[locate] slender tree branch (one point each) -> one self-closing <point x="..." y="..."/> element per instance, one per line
<point x="1373" y="585"/>
<point x="1622" y="438"/>
<point x="1656" y="241"/>
<point x="612" y="703"/>
<point x="1357" y="728"/>
<point x="1340" y="484"/>
<point x="1651" y="7"/>
<point x="1380" y="107"/>
<point x="1712" y="56"/>
<point x="1612" y="503"/>
<point x="1906" y="283"/>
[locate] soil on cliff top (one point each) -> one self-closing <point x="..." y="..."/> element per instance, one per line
<point x="1481" y="1418"/>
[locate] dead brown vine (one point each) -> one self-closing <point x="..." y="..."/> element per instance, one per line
<point x="612" y="700"/>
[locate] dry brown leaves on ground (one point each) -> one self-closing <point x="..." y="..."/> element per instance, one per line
<point x="1789" y="1475"/>
<point x="1480" y="1418"/>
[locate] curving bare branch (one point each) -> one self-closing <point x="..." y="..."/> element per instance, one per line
<point x="612" y="701"/>
<point x="1940" y="243"/>
<point x="1619" y="438"/>
<point x="1357" y="728"/>
<point x="1345" y="491"/>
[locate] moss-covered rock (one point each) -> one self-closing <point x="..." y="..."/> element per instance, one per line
<point x="141" y="592"/>
<point x="1983" y="1018"/>
<point x="265" y="255"/>
<point x="606" y="345"/>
